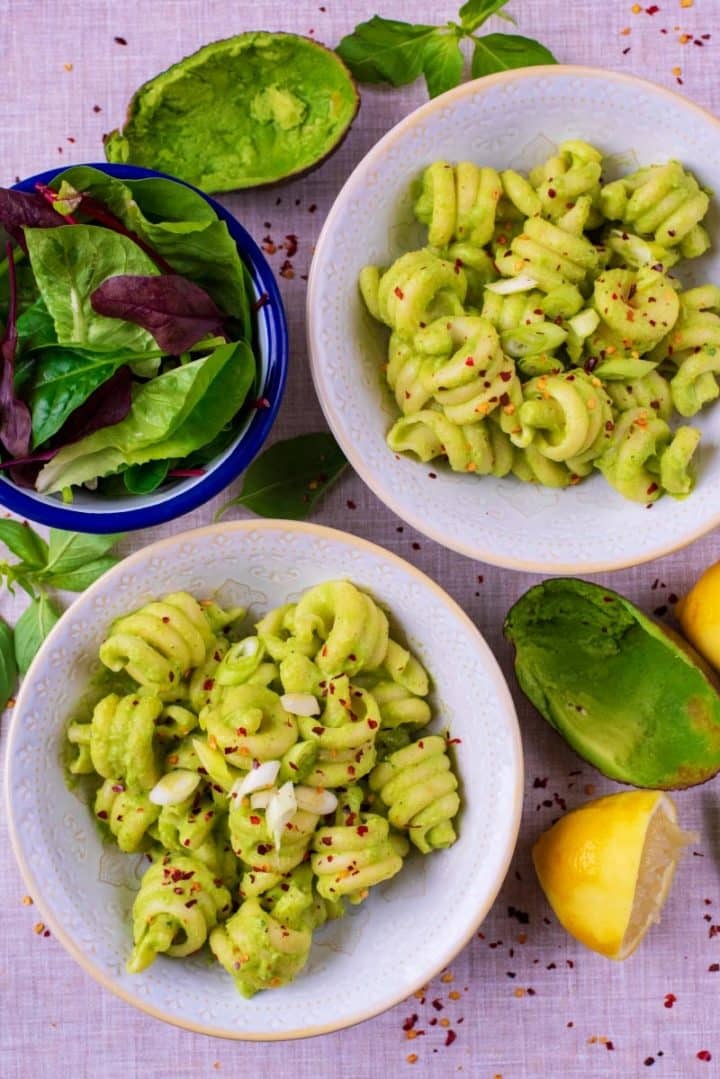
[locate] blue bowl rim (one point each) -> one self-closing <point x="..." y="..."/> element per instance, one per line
<point x="272" y="314"/>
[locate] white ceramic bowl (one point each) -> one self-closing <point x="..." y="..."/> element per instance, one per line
<point x="383" y="950"/>
<point x="512" y="119"/>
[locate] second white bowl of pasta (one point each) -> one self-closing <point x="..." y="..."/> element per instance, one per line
<point x="264" y="780"/>
<point x="514" y="320"/>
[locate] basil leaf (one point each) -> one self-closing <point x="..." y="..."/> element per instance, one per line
<point x="79" y="578"/>
<point x="24" y="542"/>
<point x="288" y="478"/>
<point x="142" y="479"/>
<point x="503" y="52"/>
<point x="69" y="264"/>
<point x="386" y="50"/>
<point x="31" y="630"/>
<point x="443" y="64"/>
<point x="8" y="666"/>
<point x="475" y="12"/>
<point x="71" y="550"/>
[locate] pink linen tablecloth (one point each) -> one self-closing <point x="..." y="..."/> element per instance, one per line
<point x="523" y="1000"/>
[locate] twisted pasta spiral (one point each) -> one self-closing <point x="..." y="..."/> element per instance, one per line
<point x="419" y="788"/>
<point x="418" y="287"/>
<point x="632" y="463"/>
<point x="178" y="903"/>
<point x="119" y="741"/>
<point x="253" y="843"/>
<point x="248" y="722"/>
<point x="573" y="172"/>
<point x="127" y="814"/>
<point x="159" y="643"/>
<point x="187" y="825"/>
<point x="344" y="735"/>
<point x="650" y="391"/>
<point x="352" y="628"/>
<point x="565" y="418"/>
<point x="458" y="203"/>
<point x="662" y="201"/>
<point x="639" y="306"/>
<point x="356" y="852"/>
<point x="693" y="348"/>
<point x="553" y="254"/>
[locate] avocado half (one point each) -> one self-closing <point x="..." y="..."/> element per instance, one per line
<point x="631" y="697"/>
<point x="250" y="110"/>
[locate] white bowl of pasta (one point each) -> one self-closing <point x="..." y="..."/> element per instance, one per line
<point x="514" y="320"/>
<point x="196" y="794"/>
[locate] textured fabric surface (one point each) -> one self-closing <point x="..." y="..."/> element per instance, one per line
<point x="523" y="1000"/>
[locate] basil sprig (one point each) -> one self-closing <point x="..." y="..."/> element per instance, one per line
<point x="68" y="560"/>
<point x="396" y="52"/>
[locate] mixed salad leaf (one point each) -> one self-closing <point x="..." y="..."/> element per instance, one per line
<point x="127" y="333"/>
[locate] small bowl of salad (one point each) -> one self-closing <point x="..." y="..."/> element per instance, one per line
<point x="143" y="353"/>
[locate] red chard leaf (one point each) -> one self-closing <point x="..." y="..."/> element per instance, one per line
<point x="15" y="420"/>
<point x="176" y="311"/>
<point x="20" y="208"/>
<point x="107" y="405"/>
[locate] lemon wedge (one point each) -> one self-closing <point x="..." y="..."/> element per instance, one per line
<point x="699" y="614"/>
<point x="606" y="868"/>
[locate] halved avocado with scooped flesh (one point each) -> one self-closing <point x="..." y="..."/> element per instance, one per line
<point x="629" y="696"/>
<point x="250" y="110"/>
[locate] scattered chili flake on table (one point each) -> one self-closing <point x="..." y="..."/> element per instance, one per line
<point x="519" y="992"/>
<point x="120" y="41"/>
<point x="714" y="968"/>
<point x="39" y="928"/>
<point x="704" y="1055"/>
<point x="447" y="977"/>
<point x="27" y="901"/>
<point x="649" y="1061"/>
<point x="416" y="546"/>
<point x="670" y="999"/>
<point x="686" y="3"/>
<point x="96" y="108"/>
<point x="411" y="1058"/>
<point x="68" y="67"/>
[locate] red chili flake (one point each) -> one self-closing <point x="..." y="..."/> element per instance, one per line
<point x="350" y="504"/>
<point x="399" y="292"/>
<point x="263" y="848"/>
<point x="416" y="546"/>
<point x="672" y="598"/>
<point x="661" y="610"/>
<point x="704" y="1055"/>
<point x="450" y="1037"/>
<point x="178" y="891"/>
<point x="609" y="1046"/>
<point x="469" y="362"/>
<point x="519" y="915"/>
<point x="454" y="741"/>
<point x="552" y="193"/>
<point x="410" y="1021"/>
<point x="312" y="208"/>
<point x="120" y="41"/>
<point x="291" y="244"/>
<point x="432" y="475"/>
<point x="254" y="820"/>
<point x="670" y="999"/>
<point x="96" y="108"/>
<point x="506" y="375"/>
<point x="351" y="769"/>
<point x="186" y="842"/>
<point x="261" y="301"/>
<point x="208" y="683"/>
<point x="318" y="730"/>
<point x="103" y="814"/>
<point x="714" y="968"/>
<point x="540" y="783"/>
<point x="626" y="51"/>
<point x="362" y="829"/>
<point x="457" y="267"/>
<point x="191" y="903"/>
<point x="327" y="841"/>
<point x="649" y="1061"/>
<point x="438" y="1005"/>
<point x="714" y="929"/>
<point x="372" y="724"/>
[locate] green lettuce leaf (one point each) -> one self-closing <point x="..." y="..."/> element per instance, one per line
<point x="171" y="416"/>
<point x="69" y="264"/>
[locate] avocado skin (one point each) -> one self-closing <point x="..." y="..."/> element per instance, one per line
<point x="629" y="697"/>
<point x="204" y="119"/>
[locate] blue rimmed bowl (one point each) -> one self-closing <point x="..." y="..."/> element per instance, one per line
<point x="95" y="513"/>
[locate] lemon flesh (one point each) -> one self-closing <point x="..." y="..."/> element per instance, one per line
<point x="606" y="868"/>
<point x="699" y="614"/>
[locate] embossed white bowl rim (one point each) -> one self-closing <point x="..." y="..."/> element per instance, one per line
<point x="494" y="120"/>
<point x="59" y="852"/>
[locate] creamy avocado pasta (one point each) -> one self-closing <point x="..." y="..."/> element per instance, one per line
<point x="270" y="775"/>
<point x="543" y="333"/>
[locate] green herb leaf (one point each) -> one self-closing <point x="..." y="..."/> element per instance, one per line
<point x="64" y="379"/>
<point x="443" y="63"/>
<point x="142" y="479"/>
<point x="25" y="543"/>
<point x="72" y="550"/>
<point x="288" y="478"/>
<point x="475" y="12"/>
<point x="386" y="50"/>
<point x="503" y="52"/>
<point x="79" y="578"/>
<point x="8" y="666"/>
<point x="32" y="628"/>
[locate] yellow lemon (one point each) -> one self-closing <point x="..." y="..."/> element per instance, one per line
<point x="606" y="868"/>
<point x="699" y="614"/>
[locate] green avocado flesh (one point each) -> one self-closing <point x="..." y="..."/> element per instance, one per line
<point x="624" y="693"/>
<point x="250" y="110"/>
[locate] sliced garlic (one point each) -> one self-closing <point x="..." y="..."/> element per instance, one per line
<point x="300" y="704"/>
<point x="256" y="779"/>
<point x="261" y="799"/>
<point x="174" y="787"/>
<point x="281" y="809"/>
<point x="509" y="285"/>
<point x="315" y="800"/>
